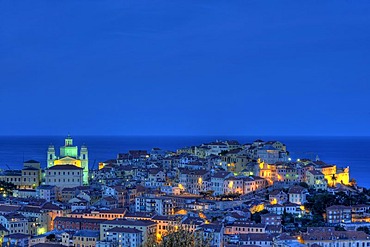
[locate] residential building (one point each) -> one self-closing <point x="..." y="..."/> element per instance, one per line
<point x="297" y="194"/>
<point x="85" y="238"/>
<point x="47" y="192"/>
<point x="271" y="219"/>
<point x="30" y="178"/>
<point x="278" y="197"/>
<point x="147" y="227"/>
<point x="159" y="205"/>
<point x="234" y="185"/>
<point x="316" y="180"/>
<point x="212" y="233"/>
<point x="327" y="236"/>
<point x="194" y="181"/>
<point x="125" y="237"/>
<point x="337" y="214"/>
<point x="69" y="223"/>
<point x="15" y="223"/>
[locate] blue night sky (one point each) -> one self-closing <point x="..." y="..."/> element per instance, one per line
<point x="186" y="67"/>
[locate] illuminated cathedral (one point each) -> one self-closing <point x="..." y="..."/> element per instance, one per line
<point x="69" y="155"/>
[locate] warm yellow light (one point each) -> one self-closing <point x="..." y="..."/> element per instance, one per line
<point x="201" y="215"/>
<point x="200" y="180"/>
<point x="159" y="237"/>
<point x="261" y="165"/>
<point x="41" y="231"/>
<point x="182" y="212"/>
<point x="231" y="183"/>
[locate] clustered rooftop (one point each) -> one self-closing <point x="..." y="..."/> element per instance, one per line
<point x="228" y="193"/>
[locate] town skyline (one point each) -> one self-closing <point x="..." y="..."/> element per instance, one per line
<point x="218" y="193"/>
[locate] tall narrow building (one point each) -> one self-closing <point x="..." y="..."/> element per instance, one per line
<point x="69" y="155"/>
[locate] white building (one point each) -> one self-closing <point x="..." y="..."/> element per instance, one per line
<point x="64" y="176"/>
<point x="125" y="237"/>
<point x="297" y="194"/>
<point x="194" y="181"/>
<point x="15" y="223"/>
<point x="217" y="181"/>
<point x="254" y="184"/>
<point x="268" y="154"/>
<point x="47" y="192"/>
<point x="159" y="205"/>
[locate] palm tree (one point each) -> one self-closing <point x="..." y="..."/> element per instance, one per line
<point x="334" y="180"/>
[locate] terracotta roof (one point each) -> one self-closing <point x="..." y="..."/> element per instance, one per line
<point x="221" y="174"/>
<point x="125" y="222"/>
<point x="124" y="230"/>
<point x="296" y="189"/>
<point x="71" y="219"/>
<point x="256" y="237"/>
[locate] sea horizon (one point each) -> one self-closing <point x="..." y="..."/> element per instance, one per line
<point x="340" y="150"/>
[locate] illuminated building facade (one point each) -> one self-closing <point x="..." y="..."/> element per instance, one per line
<point x="69" y="155"/>
<point x="335" y="175"/>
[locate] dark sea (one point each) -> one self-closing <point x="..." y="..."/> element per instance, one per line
<point x="342" y="151"/>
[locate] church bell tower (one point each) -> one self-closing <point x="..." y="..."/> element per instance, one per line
<point x="84" y="157"/>
<point x="51" y="156"/>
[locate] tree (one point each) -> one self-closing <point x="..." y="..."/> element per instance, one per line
<point x="180" y="238"/>
<point x="51" y="237"/>
<point x="256" y="217"/>
<point x="334" y="179"/>
<point x="207" y="193"/>
<point x="364" y="229"/>
<point x="6" y="187"/>
<point x="339" y="228"/>
<point x="304" y="185"/>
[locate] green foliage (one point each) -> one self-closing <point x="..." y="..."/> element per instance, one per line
<point x="51" y="237"/>
<point x="256" y="217"/>
<point x="180" y="238"/>
<point x="318" y="203"/>
<point x="304" y="185"/>
<point x="7" y="187"/>
<point x="364" y="229"/>
<point x="339" y="228"/>
<point x="230" y="196"/>
<point x="207" y="193"/>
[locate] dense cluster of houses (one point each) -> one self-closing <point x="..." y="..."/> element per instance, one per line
<point x="213" y="189"/>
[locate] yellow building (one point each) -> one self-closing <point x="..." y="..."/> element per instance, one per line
<point x="85" y="238"/>
<point x="30" y="178"/>
<point x="335" y="175"/>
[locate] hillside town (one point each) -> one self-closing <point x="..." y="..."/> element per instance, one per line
<point x="222" y="194"/>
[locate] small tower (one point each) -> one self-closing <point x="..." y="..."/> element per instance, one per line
<point x="84" y="157"/>
<point x="51" y="156"/>
<point x="68" y="141"/>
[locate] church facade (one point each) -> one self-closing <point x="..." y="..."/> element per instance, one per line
<point x="69" y="155"/>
